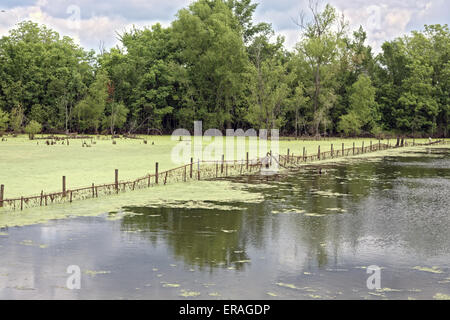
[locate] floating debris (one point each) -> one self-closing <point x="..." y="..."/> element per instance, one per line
<point x="426" y="269"/>
<point x="93" y="273"/>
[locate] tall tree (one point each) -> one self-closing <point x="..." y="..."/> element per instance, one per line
<point x="320" y="44"/>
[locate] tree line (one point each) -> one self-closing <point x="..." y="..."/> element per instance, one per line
<point x="215" y="64"/>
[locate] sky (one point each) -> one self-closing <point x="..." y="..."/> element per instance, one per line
<point x="95" y="24"/>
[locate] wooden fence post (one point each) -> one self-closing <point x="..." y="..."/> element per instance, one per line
<point x="362" y="151"/>
<point x="221" y="166"/>
<point x="190" y="168"/>
<point x="64" y="185"/>
<point x="42" y="194"/>
<point x="2" y="192"/>
<point x="116" y="180"/>
<point x="379" y="144"/>
<point x="343" y="149"/>
<point x="288" y="152"/>
<point x="21" y="203"/>
<point x="332" y="151"/>
<point x="198" y="169"/>
<point x="156" y="172"/>
<point x="371" y="146"/>
<point x="93" y="190"/>
<point x="353" y="147"/>
<point x="247" y="161"/>
<point x="304" y="154"/>
<point x="318" y="153"/>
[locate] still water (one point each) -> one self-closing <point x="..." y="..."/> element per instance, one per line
<point x="313" y="237"/>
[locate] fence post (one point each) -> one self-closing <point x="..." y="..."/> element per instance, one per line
<point x="343" y="149"/>
<point x="362" y="151"/>
<point x="379" y="144"/>
<point x="198" y="169"/>
<point x="156" y="172"/>
<point x="2" y="192"/>
<point x="371" y="149"/>
<point x="190" y="168"/>
<point x="332" y="151"/>
<point x="21" y="203"/>
<point x="289" y="151"/>
<point x="353" y="147"/>
<point x="64" y="185"/>
<point x="221" y="166"/>
<point x="42" y="194"/>
<point x="93" y="191"/>
<point x="304" y="154"/>
<point x="318" y="153"/>
<point x="116" y="179"/>
<point x="247" y="161"/>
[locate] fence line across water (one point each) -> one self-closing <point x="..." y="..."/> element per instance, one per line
<point x="200" y="170"/>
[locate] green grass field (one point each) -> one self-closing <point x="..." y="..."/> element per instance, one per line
<point x="29" y="166"/>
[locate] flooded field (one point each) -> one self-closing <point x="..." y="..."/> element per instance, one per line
<point x="301" y="235"/>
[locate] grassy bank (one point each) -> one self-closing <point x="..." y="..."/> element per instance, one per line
<point x="29" y="166"/>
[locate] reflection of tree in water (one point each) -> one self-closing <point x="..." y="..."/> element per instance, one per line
<point x="201" y="237"/>
<point x="196" y="236"/>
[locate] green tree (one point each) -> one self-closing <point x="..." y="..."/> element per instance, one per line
<point x="4" y="119"/>
<point x="269" y="95"/>
<point x="37" y="69"/>
<point x="216" y="60"/>
<point x="16" y="119"/>
<point x="90" y="110"/>
<point x="117" y="117"/>
<point x="320" y="45"/>
<point x="33" y="128"/>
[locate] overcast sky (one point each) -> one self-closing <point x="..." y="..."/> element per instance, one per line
<point x="93" y="22"/>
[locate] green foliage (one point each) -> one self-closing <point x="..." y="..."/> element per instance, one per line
<point x="216" y="64"/>
<point x="16" y="119"/>
<point x="39" y="68"/>
<point x="33" y="128"/>
<point x="4" y="119"/>
<point x="350" y="124"/>
<point x="116" y="118"/>
<point x="89" y="111"/>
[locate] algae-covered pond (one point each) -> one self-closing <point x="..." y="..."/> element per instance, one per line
<point x="301" y="235"/>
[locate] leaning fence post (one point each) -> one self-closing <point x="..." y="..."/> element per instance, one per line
<point x="2" y="192"/>
<point x="64" y="185"/>
<point x="156" y="172"/>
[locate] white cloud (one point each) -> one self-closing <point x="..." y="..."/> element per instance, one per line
<point x="99" y="21"/>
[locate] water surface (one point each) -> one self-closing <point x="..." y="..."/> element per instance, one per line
<point x="312" y="237"/>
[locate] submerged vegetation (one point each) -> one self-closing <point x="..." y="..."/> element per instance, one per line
<point x="215" y="64"/>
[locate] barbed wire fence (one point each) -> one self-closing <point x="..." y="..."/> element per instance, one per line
<point x="199" y="170"/>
